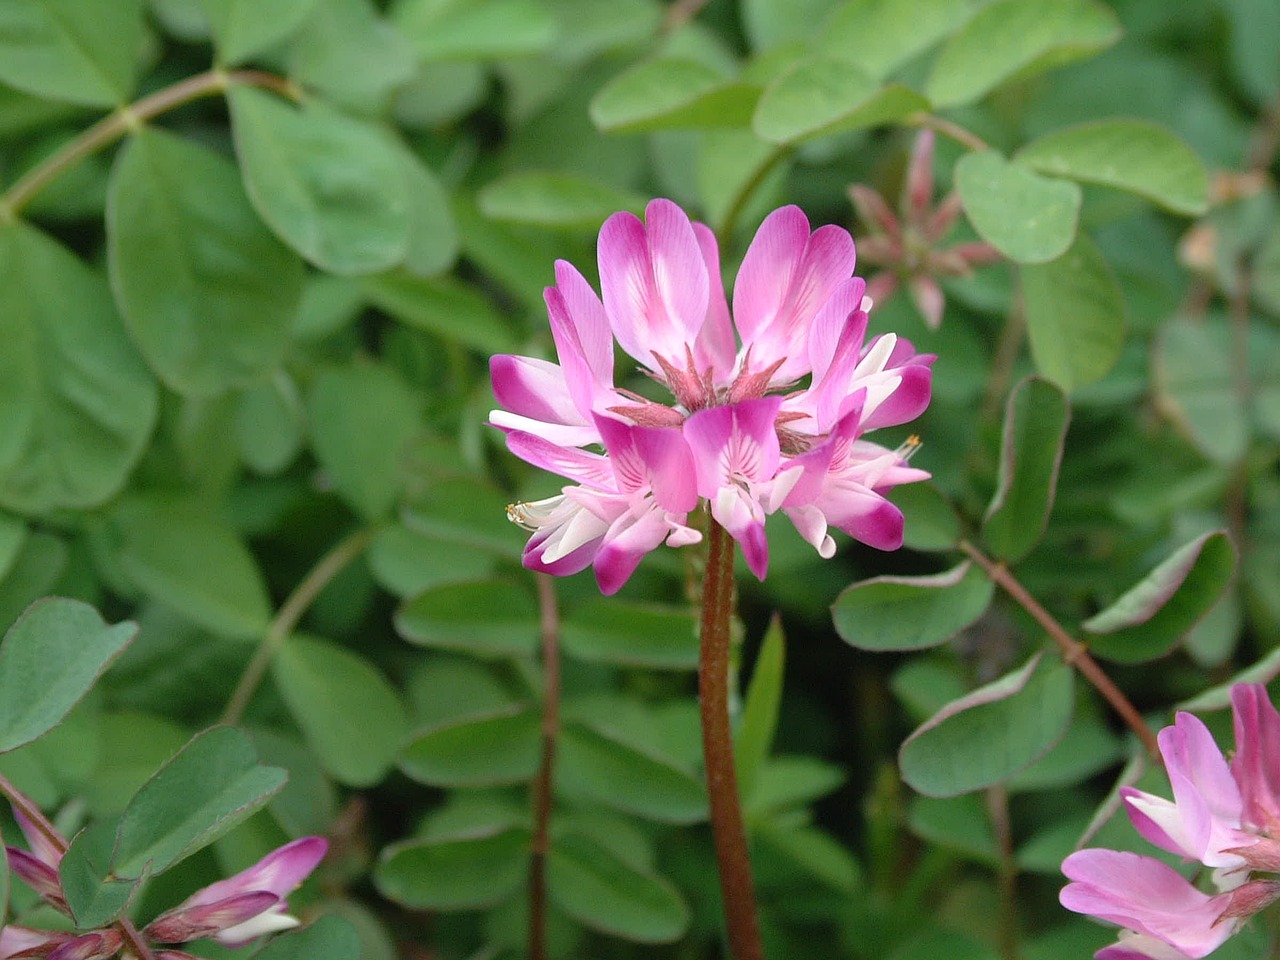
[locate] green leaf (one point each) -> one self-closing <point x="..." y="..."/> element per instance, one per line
<point x="1151" y="617"/>
<point x="351" y="716"/>
<point x="269" y="425"/>
<point x="732" y="164"/>
<point x="785" y="783"/>
<point x="464" y="873"/>
<point x="214" y="783"/>
<point x="49" y="659"/>
<point x="195" y="563"/>
<point x="598" y="764"/>
<point x="624" y="632"/>
<point x="93" y="895"/>
<point x="1014" y="39"/>
<point x="931" y="520"/>
<point x="330" y="186"/>
<point x="70" y="50"/>
<point x="406" y="562"/>
<point x="880" y="35"/>
<point x="38" y="567"/>
<point x="433" y="235"/>
<point x="754" y="737"/>
<point x="468" y="513"/>
<point x="1035" y="427"/>
<point x="242" y="28"/>
<point x="486" y="617"/>
<point x="1025" y="216"/>
<point x="1075" y="316"/>
<point x="911" y="613"/>
<point x="329" y="938"/>
<point x="827" y="95"/>
<point x="476" y="29"/>
<point x="591" y="884"/>
<point x="362" y="419"/>
<point x="349" y="52"/>
<point x="443" y="306"/>
<point x="814" y="852"/>
<point x="77" y="404"/>
<point x="500" y="747"/>
<point x="208" y="293"/>
<point x="132" y="745"/>
<point x="554" y="200"/>
<point x="992" y="733"/>
<point x="1134" y="155"/>
<point x="671" y="93"/>
<point x="958" y="823"/>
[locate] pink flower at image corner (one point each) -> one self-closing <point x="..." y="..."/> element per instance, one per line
<point x="1224" y="815"/>
<point x="770" y="401"/>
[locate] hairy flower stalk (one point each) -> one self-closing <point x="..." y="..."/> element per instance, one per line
<point x="1224" y="815"/>
<point x="769" y="405"/>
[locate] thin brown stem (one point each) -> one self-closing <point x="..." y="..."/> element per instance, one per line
<point x="115" y="125"/>
<point x="680" y="13"/>
<point x="136" y="943"/>
<point x="950" y="129"/>
<point x="295" y="605"/>
<point x="1074" y="653"/>
<point x="549" y="617"/>
<point x="1265" y="140"/>
<point x="727" y="828"/>
<point x="998" y="810"/>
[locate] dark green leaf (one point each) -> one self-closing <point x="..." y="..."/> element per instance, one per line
<point x="672" y="93"/>
<point x="1157" y="612"/>
<point x="590" y="883"/>
<point x="828" y="95"/>
<point x="94" y="896"/>
<point x="787" y="782"/>
<point x="754" y="737"/>
<point x="959" y="823"/>
<point x="242" y="28"/>
<point x="554" y="200"/>
<point x="910" y="613"/>
<point x="1035" y="426"/>
<point x="814" y="852"/>
<point x="329" y="938"/>
<point x="880" y="35"/>
<point x="208" y="293"/>
<point x="443" y="306"/>
<point x="69" y="50"/>
<point x="992" y="733"/>
<point x="496" y="748"/>
<point x="480" y="29"/>
<point x="607" y="630"/>
<point x="331" y="186"/>
<point x="464" y="873"/>
<point x="1075" y="316"/>
<point x="488" y="617"/>
<point x="49" y="659"/>
<point x="214" y="783"/>
<point x="76" y="402"/>
<point x="1013" y="39"/>
<point x="351" y="716"/>
<point x="1027" y="217"/>
<point x="1133" y="155"/>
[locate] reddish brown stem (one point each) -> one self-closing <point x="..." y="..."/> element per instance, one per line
<point x="1074" y="653"/>
<point x="727" y="828"/>
<point x="550" y="628"/>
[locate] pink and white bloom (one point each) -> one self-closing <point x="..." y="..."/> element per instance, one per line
<point x="245" y="906"/>
<point x="753" y="392"/>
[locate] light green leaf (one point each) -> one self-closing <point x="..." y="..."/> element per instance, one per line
<point x="911" y="613"/>
<point x="827" y="95"/>
<point x="554" y="200"/>
<point x="13" y="534"/>
<point x="880" y="35"/>
<point x="269" y="424"/>
<point x="405" y="562"/>
<point x="475" y="29"/>
<point x="591" y="884"/>
<point x="444" y="306"/>
<point x="329" y="938"/>
<point x="485" y="617"/>
<point x="77" y="404"/>
<point x="214" y="783"/>
<point x="348" y="51"/>
<point x="463" y="873"/>
<point x="754" y="737"/>
<point x="1150" y="618"/>
<point x="433" y="236"/>
<point x="1013" y="39"/>
<point x="49" y="659"/>
<point x="330" y="186"/>
<point x="608" y="630"/>
<point x="1134" y="155"/>
<point x="1035" y="427"/>
<point x="957" y="823"/>
<point x="931" y="520"/>
<point x="208" y="293"/>
<point x="771" y="23"/>
<point x="467" y="512"/>
<point x="70" y="50"/>
<point x="1197" y="383"/>
<point x="242" y="28"/>
<point x="672" y="93"/>
<point x="992" y="733"/>
<point x="38" y="567"/>
<point x="93" y="895"/>
<point x="1025" y="216"/>
<point x="362" y="419"/>
<point x="500" y="747"/>
<point x="350" y="715"/>
<point x="195" y="563"/>
<point x="1076" y="316"/>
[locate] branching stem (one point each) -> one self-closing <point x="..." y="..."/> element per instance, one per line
<point x="549" y="617"/>
<point x="950" y="129"/>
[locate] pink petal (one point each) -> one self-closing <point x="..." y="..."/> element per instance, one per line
<point x="929" y="300"/>
<point x="767" y="270"/>
<point x="1205" y="792"/>
<point x="41" y="846"/>
<point x="716" y="345"/>
<point x="1256" y="765"/>
<point x="735" y="510"/>
<point x="625" y="546"/>
<point x="89" y="946"/>
<point x="1137" y="946"/>
<point x="536" y="398"/>
<point x="651" y="458"/>
<point x="280" y="872"/>
<point x="586" y="312"/>
<point x="1159" y="822"/>
<point x="38" y="875"/>
<point x="734" y="443"/>
<point x="867" y="517"/>
<point x="840" y="325"/>
<point x="198" y="921"/>
<point x="907" y="401"/>
<point x="579" y="379"/>
<point x="571" y="462"/>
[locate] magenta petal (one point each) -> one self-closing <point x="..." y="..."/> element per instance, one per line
<point x="89" y="946"/>
<point x="679" y="267"/>
<point x="579" y="378"/>
<point x="625" y="546"/>
<point x="40" y="845"/>
<point x="36" y="874"/>
<point x="867" y="517"/>
<point x="908" y="400"/>
<point x="1136" y="804"/>
<point x="579" y="465"/>
<point x="841" y="324"/>
<point x="587" y="315"/>
<point x="672" y="475"/>
<point x="280" y="872"/>
<point x="767" y="270"/>
<point x="734" y="443"/>
<point x="1256" y="765"/>
<point x="535" y="396"/>
<point x="716" y="346"/>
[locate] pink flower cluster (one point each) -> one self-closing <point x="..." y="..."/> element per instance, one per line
<point x="770" y="405"/>
<point x="1224" y="814"/>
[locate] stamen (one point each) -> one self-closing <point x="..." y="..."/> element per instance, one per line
<point x="909" y="447"/>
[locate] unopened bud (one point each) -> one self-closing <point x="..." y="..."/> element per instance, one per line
<point x="1246" y="900"/>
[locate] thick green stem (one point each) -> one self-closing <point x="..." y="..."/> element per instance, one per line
<point x="727" y="829"/>
<point x="550" y="627"/>
<point x="330" y="565"/>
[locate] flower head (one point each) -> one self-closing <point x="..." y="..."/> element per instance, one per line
<point x="769" y="401"/>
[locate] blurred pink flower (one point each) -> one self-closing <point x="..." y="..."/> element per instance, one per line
<point x="769" y="401"/>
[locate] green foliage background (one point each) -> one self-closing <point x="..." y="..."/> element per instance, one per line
<point x="244" y="329"/>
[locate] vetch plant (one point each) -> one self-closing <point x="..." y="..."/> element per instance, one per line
<point x="743" y="434"/>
